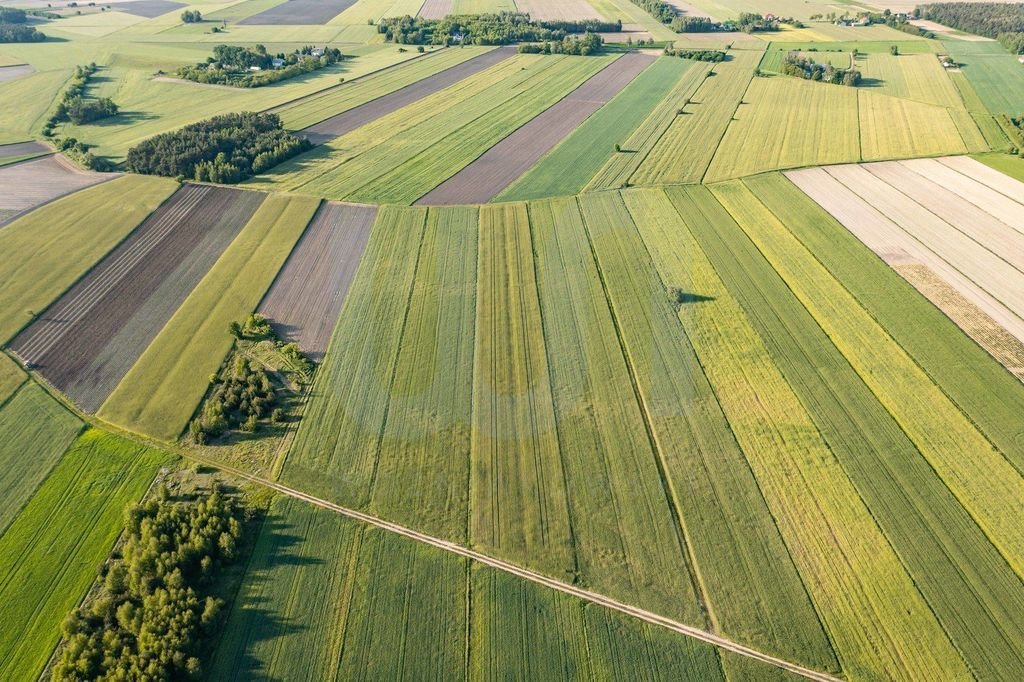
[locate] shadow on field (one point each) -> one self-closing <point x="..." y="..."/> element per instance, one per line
<point x="123" y="118"/>
<point x="297" y="164"/>
<point x="870" y="83"/>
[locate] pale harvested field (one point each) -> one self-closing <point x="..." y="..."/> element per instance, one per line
<point x="22" y="148"/>
<point x="300" y="13"/>
<point x="359" y="116"/>
<point x="34" y="183"/>
<point x="909" y="5"/>
<point x="877" y="223"/>
<point x="966" y="183"/>
<point x="557" y="10"/>
<point x="689" y="10"/>
<point x="505" y="162"/>
<point x="944" y="30"/>
<point x="9" y="73"/>
<point x="1007" y="349"/>
<point x="306" y="298"/>
<point x="150" y="9"/>
<point x="435" y="9"/>
<point x="87" y="341"/>
<point x="986" y="175"/>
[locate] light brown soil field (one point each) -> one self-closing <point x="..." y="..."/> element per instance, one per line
<point x="299" y="13"/>
<point x="1001" y="344"/>
<point x="502" y="164"/>
<point x="965" y="184"/>
<point x="33" y="183"/>
<point x="9" y="73"/>
<point x="356" y="117"/>
<point x="875" y="226"/>
<point x="87" y="341"/>
<point x="557" y="10"/>
<point x="990" y="177"/>
<point x="944" y="30"/>
<point x="689" y="10"/>
<point x="149" y="9"/>
<point x="958" y="211"/>
<point x="435" y="9"/>
<point x="22" y="148"/>
<point x="306" y="298"/>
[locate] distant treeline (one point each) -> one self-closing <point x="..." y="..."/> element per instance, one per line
<point x="697" y="55"/>
<point x="155" y="612"/>
<point x="799" y="66"/>
<point x="13" y="28"/>
<point x="228" y="148"/>
<point x="252" y="67"/>
<point x="589" y="43"/>
<point x="1005" y="22"/>
<point x="503" y="28"/>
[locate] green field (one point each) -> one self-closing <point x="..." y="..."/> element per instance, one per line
<point x="161" y="391"/>
<point x="567" y="168"/>
<point x="31" y="422"/>
<point x="47" y="250"/>
<point x="11" y="377"/>
<point x="997" y="76"/>
<point x="49" y="555"/>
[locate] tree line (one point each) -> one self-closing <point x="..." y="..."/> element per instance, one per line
<point x="227" y="148"/>
<point x="254" y="67"/>
<point x="697" y="55"/>
<point x="155" y="607"/>
<point x="587" y="44"/>
<point x="1004" y="22"/>
<point x="503" y="28"/>
<point x="13" y="28"/>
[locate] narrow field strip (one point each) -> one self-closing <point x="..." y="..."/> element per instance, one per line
<point x="305" y="300"/>
<point x="936" y="539"/>
<point x="334" y="454"/>
<point x="752" y="589"/>
<point x="968" y="179"/>
<point x="566" y="169"/>
<point x="685" y="152"/>
<point x="11" y="377"/>
<point x="620" y="166"/>
<point x="984" y="482"/>
<point x="502" y="164"/>
<point x="730" y="647"/>
<point x="991" y="397"/>
<point x="350" y="119"/>
<point x="86" y="342"/>
<point x="299" y="13"/>
<point x="49" y="249"/>
<point x="517" y="482"/>
<point x="49" y="555"/>
<point x="870" y="607"/>
<point x="627" y="540"/>
<point x="980" y="173"/>
<point x="894" y="246"/>
<point x="422" y="471"/>
<point x="36" y="431"/>
<point x="435" y="9"/>
<point x="160" y="392"/>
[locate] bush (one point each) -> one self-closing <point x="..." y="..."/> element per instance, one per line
<point x="191" y="16"/>
<point x="221" y="149"/>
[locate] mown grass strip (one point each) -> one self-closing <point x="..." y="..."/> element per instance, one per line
<point x="754" y="593"/>
<point x="423" y="463"/>
<point x="160" y="392"/>
<point x="979" y="475"/>
<point x="871" y="607"/>
<point x="11" y="377"/>
<point x="49" y="555"/>
<point x="35" y="430"/>
<point x="627" y="541"/>
<point x="938" y="541"/>
<point x="49" y="249"/>
<point x="517" y="488"/>
<point x="568" y="168"/>
<point x="335" y="451"/>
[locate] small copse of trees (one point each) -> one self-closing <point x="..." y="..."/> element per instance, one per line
<point x="13" y="28"/>
<point x="253" y="67"/>
<point x="503" y="28"/>
<point x="227" y="148"/>
<point x="191" y="16"/>
<point x="587" y="44"/>
<point x="697" y="55"/>
<point x="795" y="64"/>
<point x="155" y="608"/>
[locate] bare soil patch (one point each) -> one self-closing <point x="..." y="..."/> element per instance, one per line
<point x="87" y="341"/>
<point x="1007" y="349"/>
<point x="300" y="12"/>
<point x="149" y="9"/>
<point x="9" y="73"/>
<point x="22" y="148"/>
<point x="502" y="164"/>
<point x="306" y="298"/>
<point x="557" y="10"/>
<point x="435" y="9"/>
<point x="33" y="183"/>
<point x="359" y="116"/>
